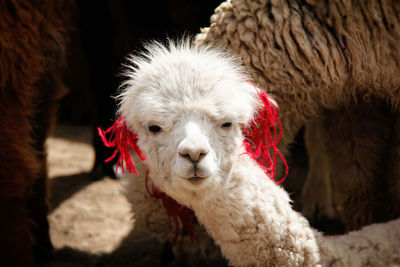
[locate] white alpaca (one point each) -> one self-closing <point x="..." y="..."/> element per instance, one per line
<point x="186" y="104"/>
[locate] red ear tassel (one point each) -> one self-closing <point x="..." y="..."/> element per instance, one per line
<point x="121" y="138"/>
<point x="263" y="135"/>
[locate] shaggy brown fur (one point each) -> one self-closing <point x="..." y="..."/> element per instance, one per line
<point x="325" y="60"/>
<point x="32" y="42"/>
<point x="358" y="141"/>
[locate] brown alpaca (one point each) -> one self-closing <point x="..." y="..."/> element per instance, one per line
<point x="333" y="67"/>
<point x="32" y="49"/>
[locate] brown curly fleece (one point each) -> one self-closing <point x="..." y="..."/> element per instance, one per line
<point x="333" y="65"/>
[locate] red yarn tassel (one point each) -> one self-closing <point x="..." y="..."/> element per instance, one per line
<point x="263" y="135"/>
<point x="121" y="138"/>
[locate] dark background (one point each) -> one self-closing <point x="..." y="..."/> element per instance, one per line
<point x="103" y="34"/>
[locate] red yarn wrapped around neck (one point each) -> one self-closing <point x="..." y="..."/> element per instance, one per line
<point x="181" y="216"/>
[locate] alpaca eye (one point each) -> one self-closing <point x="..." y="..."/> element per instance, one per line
<point x="227" y="125"/>
<point x="154" y="128"/>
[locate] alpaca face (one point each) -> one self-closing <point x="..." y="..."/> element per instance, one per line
<point x="194" y="154"/>
<point x="187" y="104"/>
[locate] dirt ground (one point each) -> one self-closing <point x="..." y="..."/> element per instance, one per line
<point x="90" y="221"/>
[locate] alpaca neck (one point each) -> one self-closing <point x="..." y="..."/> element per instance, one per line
<point x="252" y="221"/>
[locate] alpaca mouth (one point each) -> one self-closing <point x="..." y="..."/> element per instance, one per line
<point x="196" y="180"/>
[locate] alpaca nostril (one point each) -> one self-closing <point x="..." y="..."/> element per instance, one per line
<point x="186" y="156"/>
<point x="193" y="155"/>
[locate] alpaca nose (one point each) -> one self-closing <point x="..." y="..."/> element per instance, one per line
<point x="193" y="154"/>
<point x="194" y="145"/>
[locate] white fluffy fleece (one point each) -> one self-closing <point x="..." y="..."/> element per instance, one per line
<point x="199" y="99"/>
<point x="186" y="103"/>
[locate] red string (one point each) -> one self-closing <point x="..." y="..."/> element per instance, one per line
<point x="263" y="135"/>
<point x="181" y="216"/>
<point x="121" y="138"/>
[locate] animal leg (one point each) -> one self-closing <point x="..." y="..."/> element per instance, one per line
<point x="317" y="190"/>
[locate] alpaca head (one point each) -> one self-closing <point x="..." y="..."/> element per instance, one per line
<point x="187" y="106"/>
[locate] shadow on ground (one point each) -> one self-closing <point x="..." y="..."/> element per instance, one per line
<point x="64" y="187"/>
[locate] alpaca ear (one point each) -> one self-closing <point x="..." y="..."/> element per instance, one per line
<point x="263" y="134"/>
<point x="122" y="139"/>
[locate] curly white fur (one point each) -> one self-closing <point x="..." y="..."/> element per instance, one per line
<point x="186" y="103"/>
